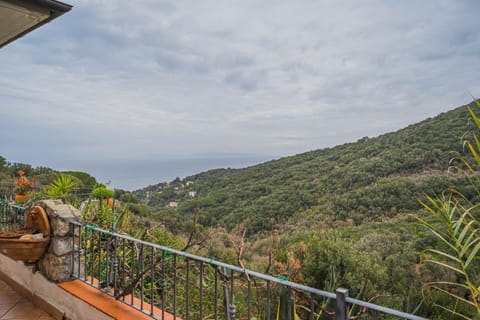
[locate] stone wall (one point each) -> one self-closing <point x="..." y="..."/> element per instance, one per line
<point x="56" y="264"/>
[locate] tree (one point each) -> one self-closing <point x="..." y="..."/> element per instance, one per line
<point x="3" y="164"/>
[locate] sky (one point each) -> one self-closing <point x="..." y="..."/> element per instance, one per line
<point x="118" y="80"/>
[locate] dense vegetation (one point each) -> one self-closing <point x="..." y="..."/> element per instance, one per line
<point x="370" y="180"/>
<point x="335" y="217"/>
<point x="340" y="215"/>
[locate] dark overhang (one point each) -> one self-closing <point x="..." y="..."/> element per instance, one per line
<point x="19" y="17"/>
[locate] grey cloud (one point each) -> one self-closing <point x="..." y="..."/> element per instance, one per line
<point x="242" y="77"/>
<point x="247" y="80"/>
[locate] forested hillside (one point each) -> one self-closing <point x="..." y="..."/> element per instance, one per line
<point x="369" y="180"/>
<point x="329" y="218"/>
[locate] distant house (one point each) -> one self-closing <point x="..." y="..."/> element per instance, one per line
<point x="189" y="183"/>
<point x="173" y="204"/>
<point x="192" y="194"/>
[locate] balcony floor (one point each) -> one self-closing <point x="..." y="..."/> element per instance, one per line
<point x="14" y="307"/>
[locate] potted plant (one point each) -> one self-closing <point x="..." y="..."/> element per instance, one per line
<point x="105" y="195"/>
<point x="22" y="187"/>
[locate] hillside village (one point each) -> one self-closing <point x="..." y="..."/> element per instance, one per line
<point x="168" y="194"/>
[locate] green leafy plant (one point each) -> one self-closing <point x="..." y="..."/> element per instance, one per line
<point x="101" y="192"/>
<point x="105" y="217"/>
<point x="454" y="222"/>
<point x="61" y="187"/>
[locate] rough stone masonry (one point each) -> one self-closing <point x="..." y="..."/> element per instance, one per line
<point x="56" y="264"/>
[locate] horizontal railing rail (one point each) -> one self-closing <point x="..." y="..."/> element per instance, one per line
<point x="158" y="280"/>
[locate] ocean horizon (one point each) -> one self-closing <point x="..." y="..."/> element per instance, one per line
<point x="136" y="174"/>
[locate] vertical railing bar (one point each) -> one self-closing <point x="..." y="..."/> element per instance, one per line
<point x="115" y="265"/>
<point x="92" y="257"/>
<point x="174" y="286"/>
<point x="312" y="307"/>
<point x="249" y="299"/>
<point x="9" y="214"/>
<point x="164" y="283"/>
<point x="200" y="285"/>
<point x="99" y="259"/>
<point x="289" y="302"/>
<point x="124" y="265"/>
<point x="142" y="287"/>
<point x="268" y="300"/>
<point x="133" y="268"/>
<point x="231" y="307"/>
<point x="72" y="228"/>
<point x="226" y="298"/>
<point x="85" y="252"/>
<point x="215" y="305"/>
<point x="152" y="280"/>
<point x="108" y="262"/>
<point x="80" y="248"/>
<point x="187" y="291"/>
<point x="341" y="308"/>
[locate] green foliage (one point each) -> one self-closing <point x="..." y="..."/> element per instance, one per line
<point x="61" y="187"/>
<point x="376" y="262"/>
<point x="456" y="228"/>
<point x="101" y="192"/>
<point x="165" y="238"/>
<point x="125" y="196"/>
<point x="86" y="179"/>
<point x="106" y="217"/>
<point x="369" y="180"/>
<point x="454" y="222"/>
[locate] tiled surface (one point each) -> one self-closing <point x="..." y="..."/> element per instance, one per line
<point x="15" y="307"/>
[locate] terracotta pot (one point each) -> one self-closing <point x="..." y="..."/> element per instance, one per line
<point x="21" y="198"/>
<point x="108" y="201"/>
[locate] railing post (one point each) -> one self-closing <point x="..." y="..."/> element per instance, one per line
<point x="72" y="231"/>
<point x="341" y="311"/>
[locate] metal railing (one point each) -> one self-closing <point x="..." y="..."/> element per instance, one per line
<point x="11" y="216"/>
<point x="161" y="281"/>
<point x="79" y="194"/>
<point x="7" y="192"/>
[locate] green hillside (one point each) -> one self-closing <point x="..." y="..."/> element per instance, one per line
<point x="329" y="218"/>
<point x="369" y="180"/>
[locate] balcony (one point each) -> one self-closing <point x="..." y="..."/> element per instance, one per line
<point x="91" y="273"/>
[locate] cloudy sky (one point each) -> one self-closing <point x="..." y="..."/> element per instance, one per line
<point x="118" y="79"/>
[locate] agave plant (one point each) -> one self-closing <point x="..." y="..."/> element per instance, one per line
<point x="454" y="222"/>
<point x="61" y="187"/>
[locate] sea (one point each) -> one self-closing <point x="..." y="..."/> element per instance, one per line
<point x="136" y="174"/>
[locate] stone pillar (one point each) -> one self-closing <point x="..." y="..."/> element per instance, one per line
<point x="56" y="264"/>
